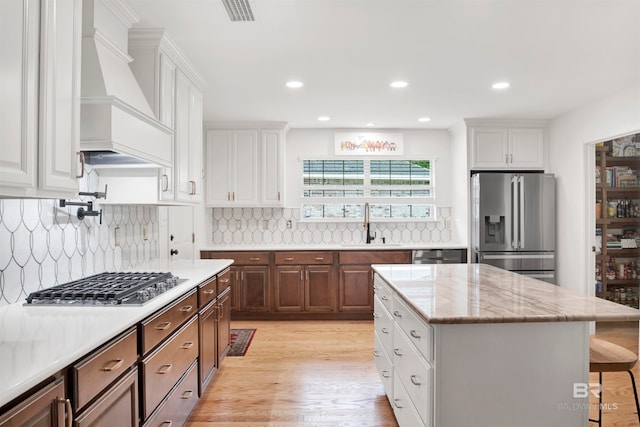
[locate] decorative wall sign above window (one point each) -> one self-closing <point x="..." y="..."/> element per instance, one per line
<point x="368" y="143"/>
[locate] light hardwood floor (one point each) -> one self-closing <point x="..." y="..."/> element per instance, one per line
<point x="321" y="373"/>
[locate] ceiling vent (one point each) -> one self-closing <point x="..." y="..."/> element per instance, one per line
<point x="239" y="10"/>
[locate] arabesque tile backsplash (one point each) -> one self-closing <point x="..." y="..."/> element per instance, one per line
<point x="268" y="226"/>
<point x="42" y="244"/>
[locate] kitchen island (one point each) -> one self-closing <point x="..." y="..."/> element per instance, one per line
<point x="459" y="345"/>
<point x="39" y="342"/>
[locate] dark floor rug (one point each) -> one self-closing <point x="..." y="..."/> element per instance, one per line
<point x="240" y="340"/>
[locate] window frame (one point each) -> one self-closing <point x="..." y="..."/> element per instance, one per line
<point x="366" y="188"/>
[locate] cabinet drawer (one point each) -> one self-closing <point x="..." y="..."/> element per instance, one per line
<point x="175" y="409"/>
<point x="304" y="258"/>
<point x="415" y="373"/>
<point x="207" y="292"/>
<point x="406" y="414"/>
<point x="241" y="258"/>
<point x="384" y="292"/>
<point x="160" y="326"/>
<point x="162" y="369"/>
<point x="383" y="365"/>
<point x="383" y="324"/>
<point x="374" y="257"/>
<point x="224" y="280"/>
<point x="92" y="374"/>
<point x="418" y="332"/>
<point x="117" y="407"/>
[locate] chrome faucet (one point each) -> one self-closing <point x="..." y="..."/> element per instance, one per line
<point x="367" y="224"/>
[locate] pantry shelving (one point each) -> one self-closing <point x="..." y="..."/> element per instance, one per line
<point x="618" y="220"/>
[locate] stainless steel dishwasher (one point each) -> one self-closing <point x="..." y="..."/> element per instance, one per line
<point x="439" y="256"/>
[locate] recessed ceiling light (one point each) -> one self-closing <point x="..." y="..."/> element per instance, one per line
<point x="501" y="85"/>
<point x="370" y="124"/>
<point x="324" y="118"/>
<point x="424" y="119"/>
<point x="399" y="84"/>
<point x="294" y="84"/>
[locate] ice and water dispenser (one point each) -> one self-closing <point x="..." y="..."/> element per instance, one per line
<point x="494" y="227"/>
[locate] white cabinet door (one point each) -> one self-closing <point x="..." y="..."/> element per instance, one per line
<point x="272" y="168"/>
<point x="245" y="170"/>
<point x="489" y="148"/>
<point x="232" y="168"/>
<point x="60" y="96"/>
<point x="526" y="148"/>
<point x="218" y="175"/>
<point x="188" y="141"/>
<point x="19" y="47"/>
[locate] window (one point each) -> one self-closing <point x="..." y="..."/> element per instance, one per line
<point x="395" y="189"/>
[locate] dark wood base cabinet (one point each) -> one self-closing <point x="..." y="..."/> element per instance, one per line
<point x="176" y="407"/>
<point x="355" y="290"/>
<point x="44" y="408"/>
<point x="117" y="407"/>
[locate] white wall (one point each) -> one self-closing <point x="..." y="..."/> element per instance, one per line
<point x="303" y="144"/>
<point x="568" y="134"/>
<point x="459" y="176"/>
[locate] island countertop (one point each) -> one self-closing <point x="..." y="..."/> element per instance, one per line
<point x="480" y="293"/>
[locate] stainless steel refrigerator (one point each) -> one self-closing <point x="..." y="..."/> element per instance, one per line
<point x="514" y="222"/>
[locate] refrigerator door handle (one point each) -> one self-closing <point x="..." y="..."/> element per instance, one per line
<point x="521" y="197"/>
<point x="514" y="212"/>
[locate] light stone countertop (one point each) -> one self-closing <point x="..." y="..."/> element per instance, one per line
<point x="38" y="341"/>
<point x="480" y="293"/>
<point x="335" y="247"/>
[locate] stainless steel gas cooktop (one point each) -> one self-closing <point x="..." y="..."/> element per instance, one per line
<point x="107" y="289"/>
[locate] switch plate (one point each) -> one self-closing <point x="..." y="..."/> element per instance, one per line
<point x="447" y="223"/>
<point x="289" y="224"/>
<point x="145" y="232"/>
<point x="116" y="236"/>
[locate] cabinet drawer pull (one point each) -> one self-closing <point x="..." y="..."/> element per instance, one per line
<point x="82" y="164"/>
<point x="376" y="315"/>
<point x="397" y="352"/>
<point x="187" y="394"/>
<point x="68" y="414"/>
<point x="163" y="326"/>
<point x="397" y="313"/>
<point x="384" y="298"/>
<point x="208" y="292"/>
<point x="376" y="287"/>
<point x="385" y="374"/>
<point x="226" y="280"/>
<point x="115" y="364"/>
<point x="414" y="334"/>
<point x="164" y="369"/>
<point x="228" y="196"/>
<point x="396" y="402"/>
<point x="506" y="158"/>
<point x="186" y="308"/>
<point x="193" y="188"/>
<point x="166" y="423"/>
<point x="376" y="353"/>
<point x="385" y="330"/>
<point x="220" y="311"/>
<point x="165" y="182"/>
<point x="319" y="258"/>
<point x="414" y="380"/>
<point x="289" y="259"/>
<point x="254" y="259"/>
<point x="187" y="345"/>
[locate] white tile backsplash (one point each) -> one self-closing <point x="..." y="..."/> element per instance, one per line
<point x="268" y="226"/>
<point x="42" y="244"/>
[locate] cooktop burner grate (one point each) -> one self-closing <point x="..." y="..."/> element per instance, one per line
<point x="106" y="289"/>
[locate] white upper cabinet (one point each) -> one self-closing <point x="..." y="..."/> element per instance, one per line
<point x="40" y="104"/>
<point x="503" y="147"/>
<point x="232" y="168"/>
<point x="272" y="168"/>
<point x="244" y="166"/>
<point x="173" y="88"/>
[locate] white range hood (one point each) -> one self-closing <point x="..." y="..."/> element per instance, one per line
<point x="115" y="115"/>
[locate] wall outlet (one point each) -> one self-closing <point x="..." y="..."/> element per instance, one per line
<point x="447" y="223"/>
<point x="238" y="224"/>
<point x="116" y="236"/>
<point x="265" y="224"/>
<point x="145" y="232"/>
<point x="289" y="224"/>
